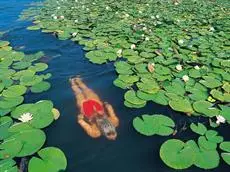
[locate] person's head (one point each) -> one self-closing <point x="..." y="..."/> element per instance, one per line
<point x="106" y="127"/>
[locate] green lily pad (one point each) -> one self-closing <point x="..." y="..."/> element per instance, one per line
<point x="154" y="124"/>
<point x="130" y="96"/>
<point x="212" y="136"/>
<point x="4" y="43"/>
<point x="205" y="108"/>
<point x="8" y="165"/>
<point x="199" y="128"/>
<point x="39" y="67"/>
<point x="40" y="87"/>
<point x="14" y="91"/>
<point x="41" y="113"/>
<point x="21" y="65"/>
<point x="10" y="102"/>
<point x="210" y="82"/>
<point x="177" y="154"/>
<point x="205" y="144"/>
<point x="225" y="146"/>
<point x="52" y="160"/>
<point x="226" y="157"/>
<point x="32" y="139"/>
<point x="10" y="148"/>
<point x="5" y="123"/>
<point x="207" y="159"/>
<point x="181" y="105"/>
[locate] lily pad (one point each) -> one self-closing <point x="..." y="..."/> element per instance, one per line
<point x="52" y="160"/>
<point x="41" y="113"/>
<point x="130" y="96"/>
<point x="181" y="105"/>
<point x="40" y="87"/>
<point x="10" y="148"/>
<point x="5" y="123"/>
<point x="10" y="102"/>
<point x="32" y="139"/>
<point x="199" y="128"/>
<point x="8" y="165"/>
<point x="177" y="154"/>
<point x="14" y="91"/>
<point x="154" y="124"/>
<point x="205" y="108"/>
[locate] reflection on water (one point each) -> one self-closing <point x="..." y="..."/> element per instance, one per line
<point x="131" y="152"/>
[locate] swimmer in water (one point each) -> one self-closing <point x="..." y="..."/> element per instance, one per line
<point x="96" y="117"/>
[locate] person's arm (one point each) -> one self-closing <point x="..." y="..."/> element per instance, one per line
<point x="112" y="116"/>
<point x="91" y="130"/>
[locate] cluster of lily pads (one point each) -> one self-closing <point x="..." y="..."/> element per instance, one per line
<point x="171" y="54"/>
<point x="174" y="53"/>
<point x="20" y="124"/>
<point x="181" y="155"/>
<point x="203" y="154"/>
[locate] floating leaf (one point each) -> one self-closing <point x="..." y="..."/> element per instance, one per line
<point x="212" y="136"/>
<point x="40" y="87"/>
<point x="41" y="113"/>
<point x="10" y="148"/>
<point x="130" y="96"/>
<point x="207" y="159"/>
<point x="52" y="160"/>
<point x="5" y="123"/>
<point x="32" y="139"/>
<point x="181" y="105"/>
<point x="8" y="165"/>
<point x="205" y="108"/>
<point x="10" y="102"/>
<point x="210" y="82"/>
<point x="154" y="124"/>
<point x="14" y="91"/>
<point x="177" y="154"/>
<point x="199" y="128"/>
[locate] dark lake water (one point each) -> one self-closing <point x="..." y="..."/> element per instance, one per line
<point x="131" y="152"/>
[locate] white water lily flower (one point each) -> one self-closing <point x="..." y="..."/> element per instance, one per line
<point x="211" y="29"/>
<point x="147" y="38"/>
<point x="152" y="17"/>
<point x="179" y="67"/>
<point x="133" y="46"/>
<point x="74" y="34"/>
<point x="76" y="21"/>
<point x="157" y="16"/>
<point x="176" y="3"/>
<point x="87" y="9"/>
<point x="158" y="22"/>
<point x="116" y="12"/>
<point x="143" y="35"/>
<point x="197" y="67"/>
<point x="62" y="17"/>
<point x="185" y="78"/>
<point x="107" y="8"/>
<point x="220" y="119"/>
<point x="181" y="41"/>
<point x="140" y="12"/>
<point x="26" y="117"/>
<point x="147" y="4"/>
<point x="150" y="30"/>
<point x="58" y="8"/>
<point x="55" y="17"/>
<point x="144" y="28"/>
<point x="119" y="52"/>
<point x="126" y="15"/>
